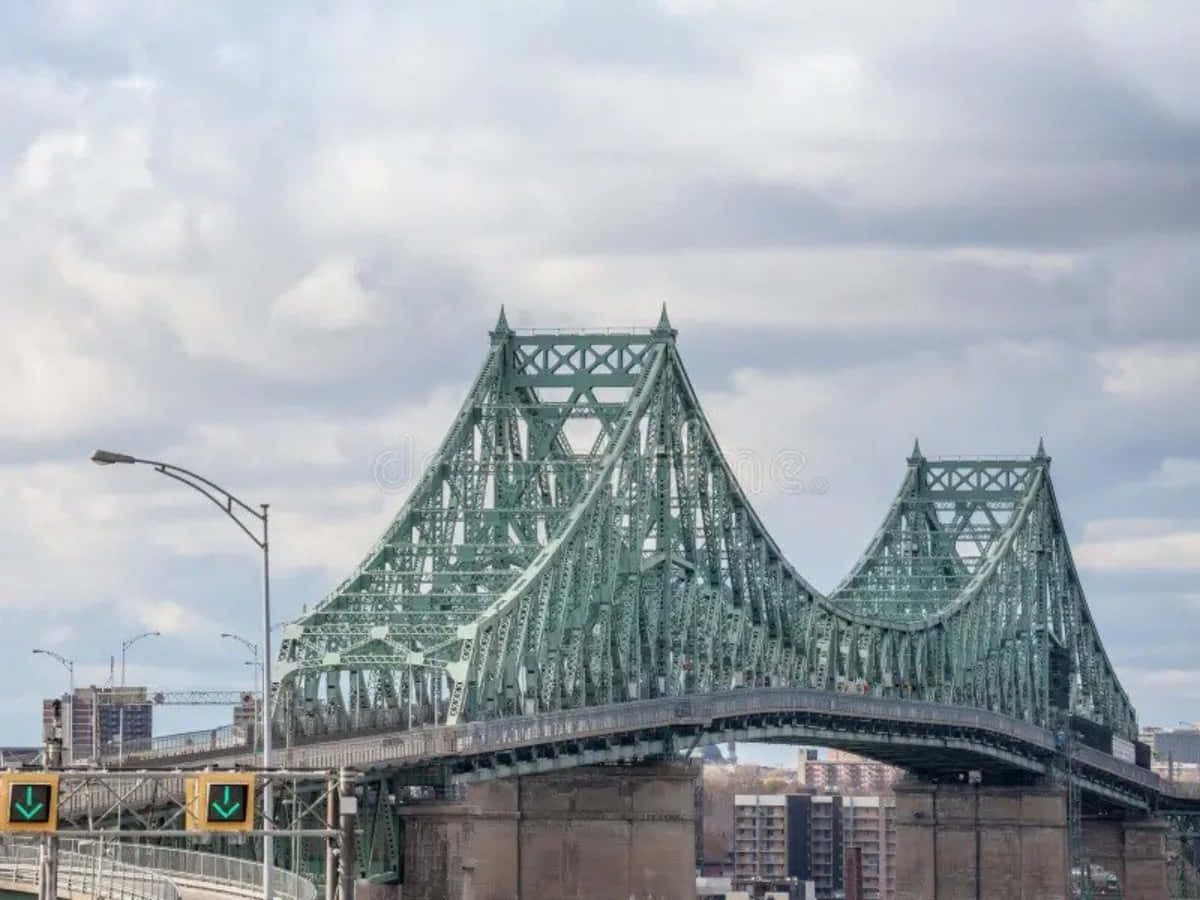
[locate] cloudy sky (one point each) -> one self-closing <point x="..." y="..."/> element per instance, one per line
<point x="266" y="242"/>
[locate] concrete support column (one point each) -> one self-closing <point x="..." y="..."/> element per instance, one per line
<point x="1133" y="852"/>
<point x="1103" y="850"/>
<point x="1146" y="860"/>
<point x="985" y="842"/>
<point x="483" y="831"/>
<point x="595" y="833"/>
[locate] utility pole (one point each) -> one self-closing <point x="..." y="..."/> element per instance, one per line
<point x="69" y="665"/>
<point x="125" y="645"/>
<point x="331" y="843"/>
<point x="347" y="808"/>
<point x="1078" y="865"/>
<point x="238" y="511"/>
<point x="51" y="759"/>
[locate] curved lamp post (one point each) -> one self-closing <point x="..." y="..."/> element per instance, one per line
<point x="125" y="645"/>
<point x="253" y="661"/>
<point x="249" y="645"/>
<point x="69" y="665"/>
<point x="236" y="510"/>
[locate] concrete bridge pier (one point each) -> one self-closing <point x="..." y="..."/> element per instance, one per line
<point x="593" y="833"/>
<point x="1134" y="850"/>
<point x="980" y="842"/>
<point x="991" y="842"/>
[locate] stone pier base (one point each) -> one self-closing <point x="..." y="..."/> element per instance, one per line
<point x="1134" y="851"/>
<point x="597" y="833"/>
<point x="959" y="842"/>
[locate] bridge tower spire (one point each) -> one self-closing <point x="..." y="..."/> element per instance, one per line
<point x="501" y="332"/>
<point x="916" y="457"/>
<point x="663" y="328"/>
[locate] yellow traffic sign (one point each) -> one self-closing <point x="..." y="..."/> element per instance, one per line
<point x="219" y="801"/>
<point x="29" y="801"/>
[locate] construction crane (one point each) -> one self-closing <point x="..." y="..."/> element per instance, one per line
<point x="177" y="697"/>
<point x="201" y="698"/>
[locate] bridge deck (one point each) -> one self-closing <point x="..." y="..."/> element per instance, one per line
<point x="933" y="740"/>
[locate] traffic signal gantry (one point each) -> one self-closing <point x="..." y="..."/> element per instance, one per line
<point x="56" y="802"/>
<point x="214" y="802"/>
<point x="30" y="802"/>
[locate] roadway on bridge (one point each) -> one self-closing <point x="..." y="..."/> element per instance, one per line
<point x="931" y="739"/>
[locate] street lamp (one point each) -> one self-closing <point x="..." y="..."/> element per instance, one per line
<point x="253" y="648"/>
<point x="125" y="645"/>
<point x="236" y="510"/>
<point x="249" y="645"/>
<point x="69" y="664"/>
<point x="255" y="676"/>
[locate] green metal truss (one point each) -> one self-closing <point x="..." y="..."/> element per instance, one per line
<point x="580" y="539"/>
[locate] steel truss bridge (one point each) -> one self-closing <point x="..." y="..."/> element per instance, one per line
<point x="579" y="540"/>
<point x="578" y="577"/>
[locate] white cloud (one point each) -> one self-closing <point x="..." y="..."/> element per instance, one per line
<point x="809" y="289"/>
<point x="1118" y="527"/>
<point x="52" y="387"/>
<point x="1140" y="545"/>
<point x="168" y="616"/>
<point x="1180" y="684"/>
<point x="1174" y="472"/>
<point x="45" y="157"/>
<point x="55" y="635"/>
<point x="331" y="297"/>
<point x="1154" y="372"/>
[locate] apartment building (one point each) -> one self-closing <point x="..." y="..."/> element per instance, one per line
<point x="94" y="717"/>
<point x="846" y="774"/>
<point x="761" y="836"/>
<point x="789" y="836"/>
<point x="869" y="823"/>
<point x="828" y="845"/>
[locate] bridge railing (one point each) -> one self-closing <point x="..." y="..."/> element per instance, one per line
<point x="357" y="749"/>
<point x="381" y="747"/>
<point x="194" y="867"/>
<point x="318" y="720"/>
<point x="227" y="737"/>
<point x="89" y="873"/>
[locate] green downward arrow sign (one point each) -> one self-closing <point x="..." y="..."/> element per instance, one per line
<point x="224" y="809"/>
<point x="29" y="809"/>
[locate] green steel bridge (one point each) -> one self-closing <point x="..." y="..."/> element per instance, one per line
<point x="578" y="577"/>
<point x="580" y="540"/>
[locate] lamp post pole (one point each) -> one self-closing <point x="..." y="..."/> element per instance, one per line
<point x="125" y="645"/>
<point x="236" y="510"/>
<point x="69" y="665"/>
<point x="254" y="661"/>
<point x="252" y="647"/>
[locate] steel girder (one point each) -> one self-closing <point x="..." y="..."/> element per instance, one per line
<point x="579" y="539"/>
